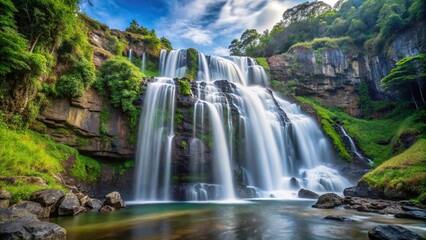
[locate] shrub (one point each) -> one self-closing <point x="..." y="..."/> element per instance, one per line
<point x="78" y="80"/>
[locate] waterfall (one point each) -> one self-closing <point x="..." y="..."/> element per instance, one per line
<point x="352" y="145"/>
<point x="130" y="54"/>
<point x="143" y="65"/>
<point x="156" y="132"/>
<point x="240" y="130"/>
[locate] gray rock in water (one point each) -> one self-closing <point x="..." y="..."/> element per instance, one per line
<point x="70" y="205"/>
<point x="294" y="184"/>
<point x="13" y="214"/>
<point x="106" y="208"/>
<point x="114" y="200"/>
<point x="392" y="232"/>
<point x="34" y="208"/>
<point x="328" y="200"/>
<point x="47" y="197"/>
<point x="339" y="218"/>
<point x="421" y="215"/>
<point x="93" y="203"/>
<point x="362" y="189"/>
<point x="24" y="229"/>
<point x="304" y="193"/>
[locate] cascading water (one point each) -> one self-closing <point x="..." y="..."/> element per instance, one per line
<point x="354" y="150"/>
<point x="243" y="133"/>
<point x="143" y="64"/>
<point x="130" y="54"/>
<point x="156" y="132"/>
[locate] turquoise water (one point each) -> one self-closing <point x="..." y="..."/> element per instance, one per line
<point x="265" y="219"/>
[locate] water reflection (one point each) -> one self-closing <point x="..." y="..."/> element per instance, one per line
<point x="256" y="220"/>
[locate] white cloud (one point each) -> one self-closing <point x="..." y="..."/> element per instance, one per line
<point x="198" y="36"/>
<point x="221" y="51"/>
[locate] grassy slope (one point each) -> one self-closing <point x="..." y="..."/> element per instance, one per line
<point x="26" y="153"/>
<point x="405" y="171"/>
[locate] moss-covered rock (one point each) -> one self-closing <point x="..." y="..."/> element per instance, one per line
<point x="192" y="63"/>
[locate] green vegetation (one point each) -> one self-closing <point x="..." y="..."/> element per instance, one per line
<point x="287" y="88"/>
<point x="367" y="105"/>
<point x="371" y="22"/>
<point x="26" y="153"/>
<point x="78" y="80"/>
<point x="379" y="139"/>
<point x="409" y="79"/>
<point x="192" y="59"/>
<point x="262" y="62"/>
<point x="406" y="171"/>
<point x="184" y="87"/>
<point x="103" y="121"/>
<point x="183" y="144"/>
<point x="119" y="81"/>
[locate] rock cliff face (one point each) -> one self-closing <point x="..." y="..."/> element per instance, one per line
<point x="331" y="75"/>
<point x="75" y="122"/>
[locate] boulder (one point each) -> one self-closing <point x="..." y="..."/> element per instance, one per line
<point x="304" y="193"/>
<point x="392" y="232"/>
<point x="34" y="208"/>
<point x="339" y="218"/>
<point x="24" y="229"/>
<point x="70" y="205"/>
<point x="114" y="200"/>
<point x="12" y="214"/>
<point x="294" y="184"/>
<point x="5" y="197"/>
<point x="106" y="208"/>
<point x="328" y="200"/>
<point x="363" y="190"/>
<point x="93" y="204"/>
<point x="47" y="197"/>
<point x="372" y="205"/>
<point x="421" y="215"/>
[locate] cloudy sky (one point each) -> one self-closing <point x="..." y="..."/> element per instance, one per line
<point x="207" y="25"/>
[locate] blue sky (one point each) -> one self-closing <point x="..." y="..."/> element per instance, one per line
<point x="207" y="25"/>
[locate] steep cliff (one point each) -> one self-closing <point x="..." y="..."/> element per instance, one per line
<point x="331" y="73"/>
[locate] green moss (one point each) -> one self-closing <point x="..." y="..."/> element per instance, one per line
<point x="183" y="144"/>
<point x="325" y="42"/>
<point x="121" y="167"/>
<point x="328" y="124"/>
<point x="184" y="87"/>
<point x="192" y="58"/>
<point x="86" y="168"/>
<point x="287" y="88"/>
<point x="103" y="121"/>
<point x="406" y="171"/>
<point x="262" y="62"/>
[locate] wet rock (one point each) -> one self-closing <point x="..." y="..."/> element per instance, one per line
<point x="34" y="208"/>
<point x="421" y="215"/>
<point x="5" y="197"/>
<point x="304" y="193"/>
<point x="70" y="205"/>
<point x="106" y="208"/>
<point x="392" y="232"/>
<point x="372" y="205"/>
<point x="363" y="190"/>
<point x="294" y="184"/>
<point x="47" y="197"/>
<point x="114" y="200"/>
<point x="24" y="229"/>
<point x="328" y="200"/>
<point x="12" y="214"/>
<point x="339" y="218"/>
<point x="93" y="204"/>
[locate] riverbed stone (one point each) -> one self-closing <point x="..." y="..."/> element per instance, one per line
<point x="328" y="200"/>
<point x="34" y="208"/>
<point x="392" y="232"/>
<point x="421" y="215"/>
<point x="70" y="205"/>
<point x="106" y="208"/>
<point x="47" y="197"/>
<point x="363" y="190"/>
<point x="93" y="203"/>
<point x="339" y="218"/>
<point x="114" y="200"/>
<point x="24" y="229"/>
<point x="5" y="197"/>
<point x="294" y="183"/>
<point x="12" y="214"/>
<point x="304" y="193"/>
<point x="372" y="205"/>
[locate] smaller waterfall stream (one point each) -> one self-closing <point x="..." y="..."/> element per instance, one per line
<point x="130" y="54"/>
<point x="143" y="64"/>
<point x="353" y="147"/>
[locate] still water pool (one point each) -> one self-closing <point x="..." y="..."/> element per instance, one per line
<point x="259" y="219"/>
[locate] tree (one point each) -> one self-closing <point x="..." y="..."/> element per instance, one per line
<point x="409" y="74"/>
<point x="235" y="48"/>
<point x="137" y="29"/>
<point x="166" y="43"/>
<point x="13" y="55"/>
